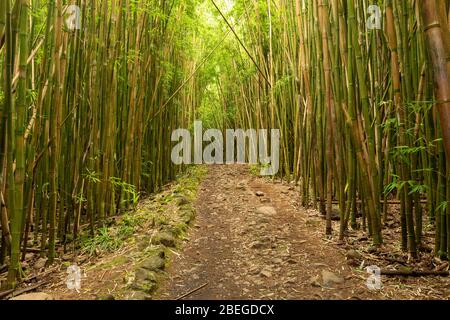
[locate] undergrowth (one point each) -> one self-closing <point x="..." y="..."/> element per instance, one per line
<point x="112" y="238"/>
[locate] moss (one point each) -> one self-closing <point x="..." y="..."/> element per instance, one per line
<point x="179" y="230"/>
<point x="145" y="286"/>
<point x="117" y="261"/>
<point x="166" y="238"/>
<point x="187" y="215"/>
<point x="168" y="217"/>
<point x="161" y="221"/>
<point x="155" y="250"/>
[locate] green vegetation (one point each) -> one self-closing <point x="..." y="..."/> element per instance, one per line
<point x="164" y="211"/>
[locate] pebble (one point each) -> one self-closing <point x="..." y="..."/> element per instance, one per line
<point x="266" y="273"/>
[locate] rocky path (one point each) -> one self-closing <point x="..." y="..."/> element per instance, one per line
<point x="253" y="241"/>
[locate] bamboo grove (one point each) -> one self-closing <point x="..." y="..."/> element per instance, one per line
<point x="87" y="108"/>
<point x="362" y="110"/>
<point x="82" y="128"/>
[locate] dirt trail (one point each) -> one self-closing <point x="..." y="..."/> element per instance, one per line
<point x="249" y="246"/>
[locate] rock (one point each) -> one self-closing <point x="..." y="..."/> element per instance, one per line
<point x="144" y="243"/>
<point x="34" y="296"/>
<point x="257" y="245"/>
<point x="182" y="201"/>
<point x="141" y="296"/>
<point x="277" y="261"/>
<point x="266" y="273"/>
<point x="259" y="193"/>
<point x="142" y="274"/>
<point x="314" y="281"/>
<point x="145" y="286"/>
<point x="165" y="238"/>
<point x="187" y="215"/>
<point x="353" y="255"/>
<point x="353" y="263"/>
<point x="154" y="263"/>
<point x="29" y="256"/>
<point x="267" y="211"/>
<point x="40" y="263"/>
<point x="329" y="278"/>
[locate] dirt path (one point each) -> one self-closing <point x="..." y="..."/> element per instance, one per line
<point x="249" y="246"/>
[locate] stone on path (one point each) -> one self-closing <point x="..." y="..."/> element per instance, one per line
<point x="267" y="211"/>
<point x="266" y="273"/>
<point x="329" y="278"/>
<point x="314" y="281"/>
<point x="257" y="245"/>
<point x="353" y="255"/>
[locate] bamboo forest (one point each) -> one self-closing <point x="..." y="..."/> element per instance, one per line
<point x="224" y="149"/>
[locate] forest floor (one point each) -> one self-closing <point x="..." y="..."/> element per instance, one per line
<point x="251" y="239"/>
